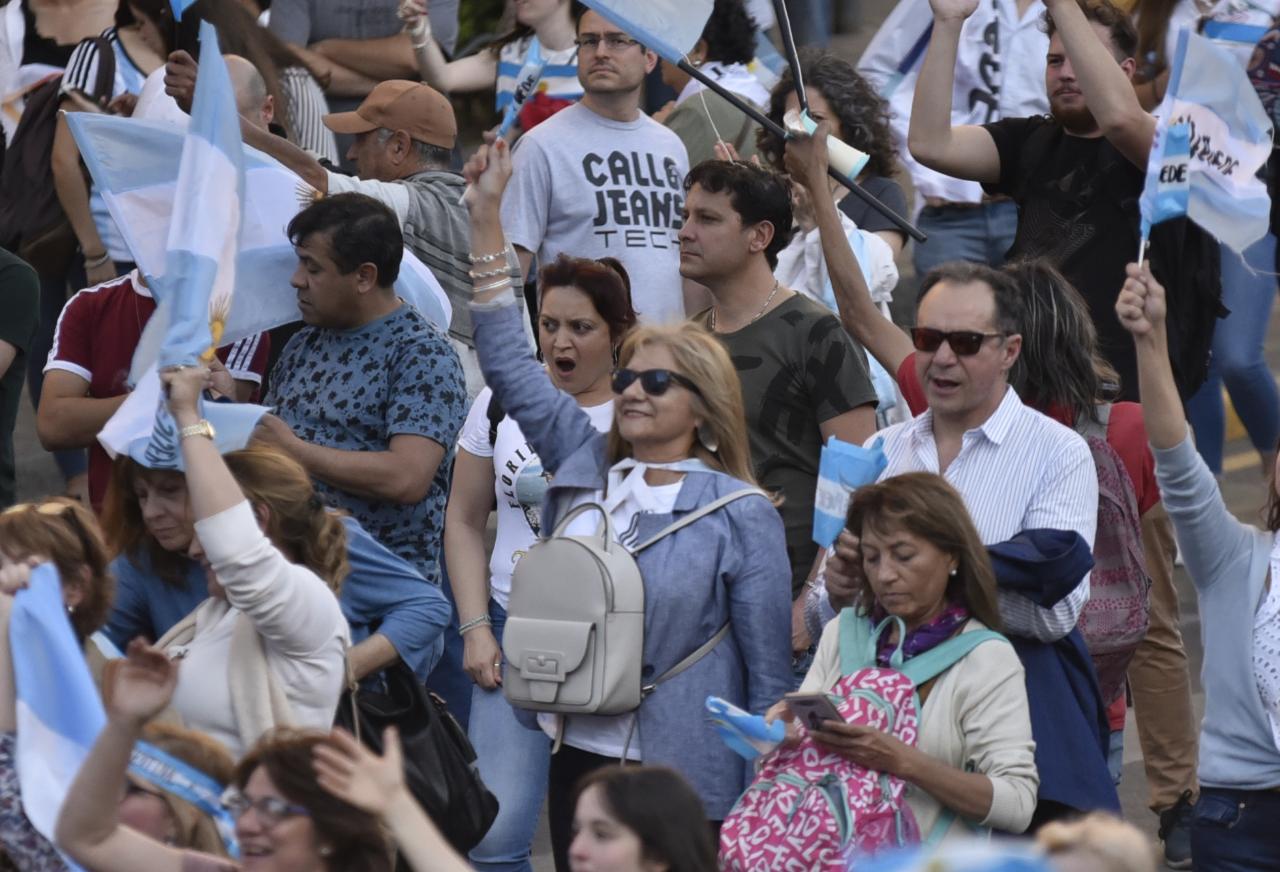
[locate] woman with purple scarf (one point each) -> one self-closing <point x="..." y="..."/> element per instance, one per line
<point x="924" y="563"/>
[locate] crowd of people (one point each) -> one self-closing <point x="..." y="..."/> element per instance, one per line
<point x="583" y="510"/>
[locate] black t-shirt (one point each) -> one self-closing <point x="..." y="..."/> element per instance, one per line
<point x="885" y="190"/>
<point x="1077" y="206"/>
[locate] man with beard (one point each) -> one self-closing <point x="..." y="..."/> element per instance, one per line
<point x="1077" y="173"/>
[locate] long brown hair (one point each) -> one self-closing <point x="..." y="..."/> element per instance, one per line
<point x="297" y="520"/>
<point x="126" y="532"/>
<point x="64" y="532"/>
<point x="700" y="357"/>
<point x="925" y="505"/>
<point x="354" y="836"/>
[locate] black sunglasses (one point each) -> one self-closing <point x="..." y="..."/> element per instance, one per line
<point x="655" y="382"/>
<point x="963" y="342"/>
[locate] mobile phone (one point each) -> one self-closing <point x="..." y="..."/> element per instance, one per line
<point x="812" y="708"/>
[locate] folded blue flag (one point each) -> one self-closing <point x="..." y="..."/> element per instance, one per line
<point x="746" y="734"/>
<point x="842" y="469"/>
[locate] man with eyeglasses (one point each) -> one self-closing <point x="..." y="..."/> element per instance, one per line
<point x="602" y="179"/>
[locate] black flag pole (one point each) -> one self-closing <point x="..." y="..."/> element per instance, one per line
<point x="793" y="56"/>
<point x="767" y="123"/>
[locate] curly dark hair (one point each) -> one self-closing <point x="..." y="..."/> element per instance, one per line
<point x="730" y="33"/>
<point x="861" y="116"/>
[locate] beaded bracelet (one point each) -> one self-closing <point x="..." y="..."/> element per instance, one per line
<point x="486" y="258"/>
<point x="475" y="622"/>
<point x="490" y="273"/>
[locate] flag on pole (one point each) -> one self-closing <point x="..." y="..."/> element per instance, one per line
<point x="671" y="28"/>
<point x="1229" y="136"/>
<point x="59" y="712"/>
<point x="135" y="165"/>
<point x="1168" y="185"/>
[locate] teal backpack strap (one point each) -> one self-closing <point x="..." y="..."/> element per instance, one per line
<point x="858" y="638"/>
<point x="942" y="657"/>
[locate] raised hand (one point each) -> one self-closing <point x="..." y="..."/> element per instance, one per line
<point x="183" y="386"/>
<point x="180" y="79"/>
<point x="488" y="172"/>
<point x="139" y="686"/>
<point x="953" y="10"/>
<point x="806" y="158"/>
<point x="16" y="575"/>
<point x="843" y="572"/>
<point x="356" y="775"/>
<point x="1141" y="305"/>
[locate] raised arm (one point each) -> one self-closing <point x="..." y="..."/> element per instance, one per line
<point x="966" y="152"/>
<point x="89" y="828"/>
<point x="1104" y="82"/>
<point x="180" y="73"/>
<point x="550" y="419"/>
<point x="807" y="165"/>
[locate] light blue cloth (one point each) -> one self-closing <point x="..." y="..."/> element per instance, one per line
<point x="733" y="567"/>
<point x="1228" y="562"/>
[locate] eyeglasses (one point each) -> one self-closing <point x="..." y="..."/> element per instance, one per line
<point x="963" y="342"/>
<point x="655" y="382"/>
<point x="271" y="809"/>
<point x="615" y="41"/>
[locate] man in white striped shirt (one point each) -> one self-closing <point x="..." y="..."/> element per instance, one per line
<point x="1015" y="468"/>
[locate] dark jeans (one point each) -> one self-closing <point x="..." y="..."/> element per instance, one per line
<point x="1236" y="830"/>
<point x="448" y="679"/>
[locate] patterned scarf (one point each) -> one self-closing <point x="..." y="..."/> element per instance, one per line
<point x="923" y="637"/>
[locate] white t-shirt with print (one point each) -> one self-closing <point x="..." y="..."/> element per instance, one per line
<point x="519" y="485"/>
<point x="589" y="186"/>
<point x="606" y="735"/>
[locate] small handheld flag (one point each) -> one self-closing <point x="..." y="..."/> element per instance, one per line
<point x="842" y="469"/>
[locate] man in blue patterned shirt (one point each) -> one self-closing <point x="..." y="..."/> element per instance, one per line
<point x="369" y="396"/>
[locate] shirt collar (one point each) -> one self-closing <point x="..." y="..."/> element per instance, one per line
<point x="996" y="428"/>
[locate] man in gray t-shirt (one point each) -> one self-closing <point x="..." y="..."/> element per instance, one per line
<point x="601" y="178"/>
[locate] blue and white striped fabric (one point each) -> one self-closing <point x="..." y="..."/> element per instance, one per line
<point x="669" y="27"/>
<point x="59" y="713"/>
<point x="1230" y="140"/>
<point x="135" y="165"/>
<point x="1168" y="185"/>
<point x="204" y="225"/>
<point x="181" y="6"/>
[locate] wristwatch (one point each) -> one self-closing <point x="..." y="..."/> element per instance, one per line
<point x="199" y="428"/>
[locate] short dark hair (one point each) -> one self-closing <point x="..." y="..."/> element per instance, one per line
<point x="756" y="194"/>
<point x="1124" y="36"/>
<point x="659" y="806"/>
<point x="604" y="281"/>
<point x="730" y="33"/>
<point x="360" y="230"/>
<point x="1010" y="310"/>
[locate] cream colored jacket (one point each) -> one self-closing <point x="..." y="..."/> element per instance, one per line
<point x="976" y="713"/>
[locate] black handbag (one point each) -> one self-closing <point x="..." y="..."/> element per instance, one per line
<point x="439" y="762"/>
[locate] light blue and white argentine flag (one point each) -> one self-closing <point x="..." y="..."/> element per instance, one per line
<point x="1230" y="140"/>
<point x="59" y="712"/>
<point x="1168" y="185"/>
<point x="671" y="28"/>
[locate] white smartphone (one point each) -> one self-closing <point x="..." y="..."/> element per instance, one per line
<point x="812" y="708"/>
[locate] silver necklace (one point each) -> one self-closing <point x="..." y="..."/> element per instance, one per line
<point x="758" y="315"/>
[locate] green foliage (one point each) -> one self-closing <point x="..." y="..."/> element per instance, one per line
<point x="477" y="17"/>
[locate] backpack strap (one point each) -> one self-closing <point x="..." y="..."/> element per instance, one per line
<point x="858" y="638"/>
<point x="942" y="657"/>
<point x="495" y="414"/>
<point x="698" y="514"/>
<point x="701" y="651"/>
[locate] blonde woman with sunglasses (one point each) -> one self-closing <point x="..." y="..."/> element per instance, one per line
<point x="678" y="441"/>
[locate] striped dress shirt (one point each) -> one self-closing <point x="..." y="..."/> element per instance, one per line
<point x="1020" y="470"/>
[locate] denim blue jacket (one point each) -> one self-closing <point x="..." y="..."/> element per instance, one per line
<point x="383" y="594"/>
<point x="729" y="566"/>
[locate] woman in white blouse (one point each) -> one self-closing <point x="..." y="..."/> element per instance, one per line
<point x="266" y="649"/>
<point x="925" y="564"/>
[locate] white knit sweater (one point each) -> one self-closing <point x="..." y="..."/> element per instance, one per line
<point x="976" y="712"/>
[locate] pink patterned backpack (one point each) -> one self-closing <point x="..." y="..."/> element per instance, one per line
<point x="810" y="809"/>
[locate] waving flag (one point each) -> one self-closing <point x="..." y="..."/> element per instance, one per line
<point x="59" y="713"/>
<point x="1168" y="184"/>
<point x="135" y="164"/>
<point x="669" y="27"/>
<point x="1229" y="141"/>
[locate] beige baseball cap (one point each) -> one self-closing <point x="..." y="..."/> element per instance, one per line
<point x="419" y="110"/>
